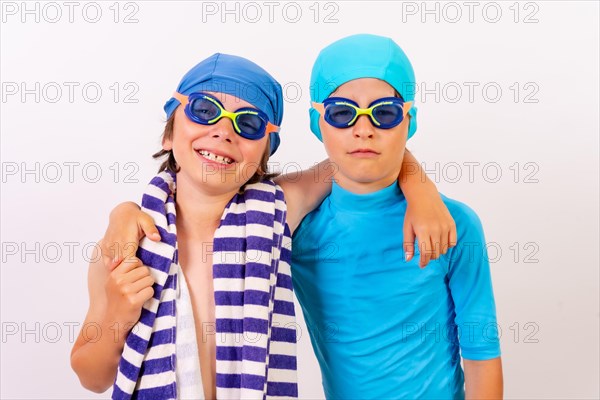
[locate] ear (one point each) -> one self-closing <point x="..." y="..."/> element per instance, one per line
<point x="167" y="144"/>
<point x="169" y="133"/>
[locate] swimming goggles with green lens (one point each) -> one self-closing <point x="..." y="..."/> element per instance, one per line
<point x="205" y="109"/>
<point x="384" y="113"/>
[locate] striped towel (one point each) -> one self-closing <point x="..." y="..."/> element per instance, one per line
<point x="255" y="321"/>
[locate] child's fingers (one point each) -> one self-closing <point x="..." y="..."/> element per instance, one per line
<point x="447" y="238"/>
<point x="452" y="236"/>
<point x="436" y="245"/>
<point x="440" y="243"/>
<point x="444" y="243"/>
<point x="109" y="252"/>
<point x="129" y="248"/>
<point x="409" y="241"/>
<point x="424" y="248"/>
<point x="139" y="272"/>
<point x="111" y="263"/>
<point x="144" y="295"/>
<point x="128" y="264"/>
<point x="147" y="226"/>
<point x="140" y="284"/>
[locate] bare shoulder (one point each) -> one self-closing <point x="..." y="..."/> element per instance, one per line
<point x="292" y="196"/>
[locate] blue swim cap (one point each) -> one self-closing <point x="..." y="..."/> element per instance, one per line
<point x="361" y="56"/>
<point x="238" y="77"/>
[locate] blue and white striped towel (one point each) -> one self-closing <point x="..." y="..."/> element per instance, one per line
<point x="255" y="320"/>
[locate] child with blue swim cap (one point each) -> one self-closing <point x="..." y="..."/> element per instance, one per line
<point x="200" y="312"/>
<point x="223" y="122"/>
<point x="382" y="327"/>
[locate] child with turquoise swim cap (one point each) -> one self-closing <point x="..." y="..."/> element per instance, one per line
<point x="218" y="78"/>
<point x="381" y="327"/>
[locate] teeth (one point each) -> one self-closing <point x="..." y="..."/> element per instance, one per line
<point x="214" y="157"/>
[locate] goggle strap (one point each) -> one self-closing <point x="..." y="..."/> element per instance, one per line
<point x="182" y="98"/>
<point x="320" y="107"/>
<point x="272" y="128"/>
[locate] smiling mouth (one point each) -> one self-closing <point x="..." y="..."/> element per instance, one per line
<point x="216" y="158"/>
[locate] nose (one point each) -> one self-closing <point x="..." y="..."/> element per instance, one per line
<point x="363" y="128"/>
<point x="223" y="129"/>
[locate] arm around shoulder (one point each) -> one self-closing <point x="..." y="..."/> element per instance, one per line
<point x="304" y="191"/>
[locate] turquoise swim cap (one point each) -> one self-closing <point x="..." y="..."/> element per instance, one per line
<point x="361" y="56"/>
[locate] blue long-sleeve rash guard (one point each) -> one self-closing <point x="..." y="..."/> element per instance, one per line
<point x="382" y="327"/>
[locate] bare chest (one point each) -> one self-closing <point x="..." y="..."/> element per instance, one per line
<point x="196" y="264"/>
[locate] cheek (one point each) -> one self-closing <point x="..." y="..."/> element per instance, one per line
<point x="395" y="142"/>
<point x="252" y="151"/>
<point x="180" y="139"/>
<point x="333" y="140"/>
<point x="183" y="128"/>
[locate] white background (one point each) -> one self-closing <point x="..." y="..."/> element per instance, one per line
<point x="540" y="215"/>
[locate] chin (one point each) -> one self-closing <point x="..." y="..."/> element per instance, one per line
<point x="367" y="179"/>
<point x="369" y="174"/>
<point x="231" y="182"/>
<point x="219" y="182"/>
<point x="365" y="176"/>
